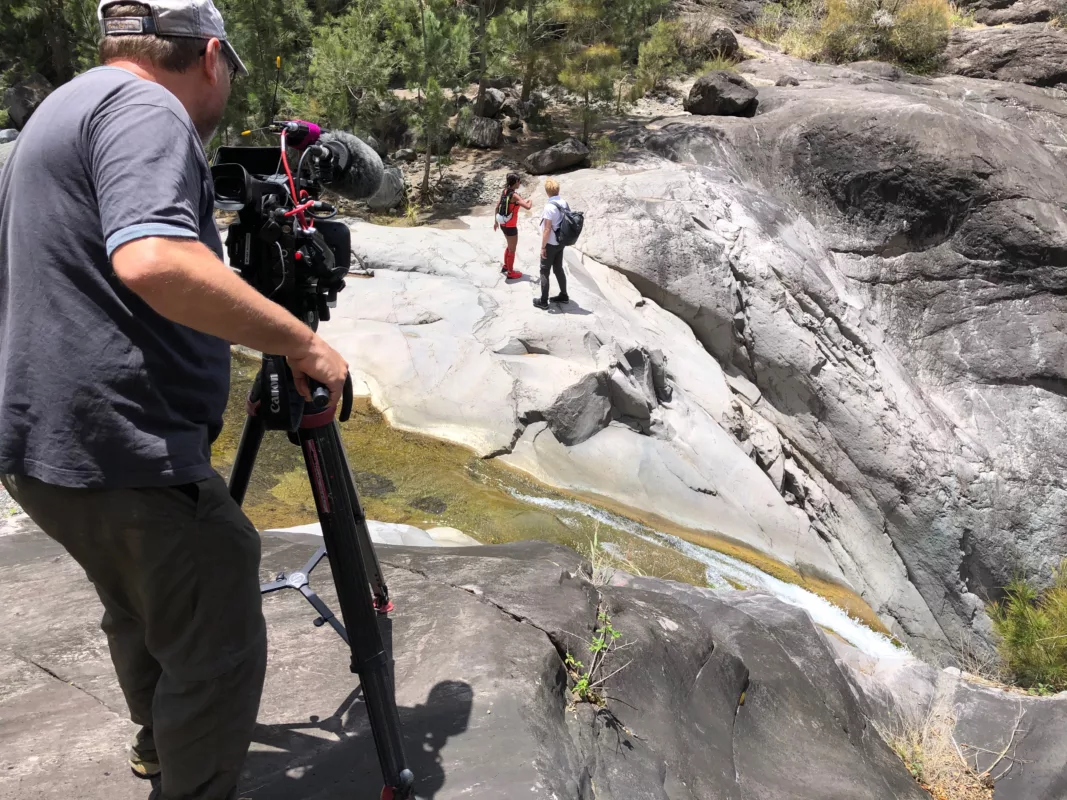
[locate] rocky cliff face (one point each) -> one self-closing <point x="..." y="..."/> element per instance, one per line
<point x="872" y="267"/>
<point x="884" y="261"/>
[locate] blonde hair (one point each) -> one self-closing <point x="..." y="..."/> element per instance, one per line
<point x="552" y="187"/>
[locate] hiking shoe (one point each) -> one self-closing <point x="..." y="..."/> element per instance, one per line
<point x="560" y="298"/>
<point x="144" y="761"/>
<point x="504" y="270"/>
<point x="539" y="303"/>
<point x="514" y="275"/>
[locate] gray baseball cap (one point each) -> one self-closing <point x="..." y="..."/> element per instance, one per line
<point x="196" y="19"/>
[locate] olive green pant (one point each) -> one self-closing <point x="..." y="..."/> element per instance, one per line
<point x="177" y="570"/>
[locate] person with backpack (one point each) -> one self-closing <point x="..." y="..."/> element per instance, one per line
<point x="507" y="219"/>
<point x="560" y="228"/>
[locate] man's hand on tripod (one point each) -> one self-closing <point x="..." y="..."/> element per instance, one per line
<point x="323" y="364"/>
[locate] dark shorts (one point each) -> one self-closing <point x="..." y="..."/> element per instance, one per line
<point x="512" y="231"/>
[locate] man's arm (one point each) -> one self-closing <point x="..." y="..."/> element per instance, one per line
<point x="546" y="231"/>
<point x="184" y="281"/>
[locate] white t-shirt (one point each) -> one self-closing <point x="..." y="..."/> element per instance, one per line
<point x="553" y="215"/>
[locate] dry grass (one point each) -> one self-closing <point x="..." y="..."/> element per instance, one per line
<point x="960" y="17"/>
<point x="912" y="33"/>
<point x="926" y="745"/>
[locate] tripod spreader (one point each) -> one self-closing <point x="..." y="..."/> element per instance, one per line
<point x="348" y="545"/>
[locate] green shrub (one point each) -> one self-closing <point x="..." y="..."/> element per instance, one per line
<point x="1031" y="628"/>
<point x="5" y="122"/>
<point x="912" y="33"/>
<point x="657" y="57"/>
<point x="604" y="151"/>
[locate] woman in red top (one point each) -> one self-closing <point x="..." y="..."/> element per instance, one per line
<point x="508" y="208"/>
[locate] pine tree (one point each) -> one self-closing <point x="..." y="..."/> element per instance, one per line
<point x="262" y="31"/>
<point x="591" y="73"/>
<point x="446" y="48"/>
<point x="349" y="63"/>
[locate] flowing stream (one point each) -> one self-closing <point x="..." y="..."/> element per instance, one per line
<point x="418" y="480"/>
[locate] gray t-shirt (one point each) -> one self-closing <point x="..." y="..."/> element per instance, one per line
<point x="96" y="388"/>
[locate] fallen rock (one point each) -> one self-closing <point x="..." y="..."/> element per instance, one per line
<point x="1033" y="54"/>
<point x="1006" y="12"/>
<point x="558" y="157"/>
<point x="8" y="135"/>
<point x="407" y="155"/>
<point x="721" y="93"/>
<point x="375" y="145"/>
<point x="493" y="102"/>
<point x="23" y="98"/>
<point x="787" y="80"/>
<point x="581" y="410"/>
<point x="481" y="132"/>
<point x="698" y="43"/>
<point x="391" y="193"/>
<point x="879" y="69"/>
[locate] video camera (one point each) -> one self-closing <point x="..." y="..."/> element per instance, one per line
<point x="284" y="242"/>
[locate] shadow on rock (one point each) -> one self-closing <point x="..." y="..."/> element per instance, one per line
<point x="299" y="765"/>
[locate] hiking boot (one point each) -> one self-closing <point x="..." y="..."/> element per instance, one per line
<point x="539" y="303"/>
<point x="144" y="761"/>
<point x="560" y="298"/>
<point x="514" y="275"/>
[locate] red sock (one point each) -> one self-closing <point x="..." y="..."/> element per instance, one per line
<point x="509" y="259"/>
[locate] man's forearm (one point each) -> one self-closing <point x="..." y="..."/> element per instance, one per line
<point x="185" y="282"/>
<point x="544" y="235"/>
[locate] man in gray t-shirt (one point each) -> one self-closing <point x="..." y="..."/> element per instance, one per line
<point x="116" y="315"/>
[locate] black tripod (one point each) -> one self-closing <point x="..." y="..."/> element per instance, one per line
<point x="274" y="405"/>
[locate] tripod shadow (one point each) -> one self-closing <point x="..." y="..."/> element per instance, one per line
<point x="335" y="757"/>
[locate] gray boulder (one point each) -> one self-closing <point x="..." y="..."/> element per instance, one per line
<point x="581" y="410"/>
<point x="787" y="80"/>
<point x="731" y="695"/>
<point x="493" y="102"/>
<point x="481" y="132"/>
<point x="8" y="135"/>
<point x="1033" y="54"/>
<point x="406" y="155"/>
<point x="375" y="145"/>
<point x="5" y="151"/>
<point x="721" y="93"/>
<point x="1002" y="12"/>
<point x="391" y="193"/>
<point x="23" y="98"/>
<point x="568" y="153"/>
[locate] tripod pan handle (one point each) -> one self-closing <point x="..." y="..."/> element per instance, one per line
<point x="320" y="397"/>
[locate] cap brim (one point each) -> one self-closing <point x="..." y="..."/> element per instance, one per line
<point x="234" y="58"/>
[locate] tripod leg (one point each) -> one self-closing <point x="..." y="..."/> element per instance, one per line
<point x="338" y="508"/>
<point x="382" y="604"/>
<point x="247" y="450"/>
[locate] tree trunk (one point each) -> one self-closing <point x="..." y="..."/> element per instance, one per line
<point x="587" y="114"/>
<point x="429" y="135"/>
<point x="531" y="56"/>
<point x="59" y="44"/>
<point x="479" y="103"/>
<point x="424" y="192"/>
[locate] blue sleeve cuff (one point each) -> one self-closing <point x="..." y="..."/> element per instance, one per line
<point x="143" y="231"/>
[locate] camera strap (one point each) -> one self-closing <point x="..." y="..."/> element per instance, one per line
<point x="280" y="405"/>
